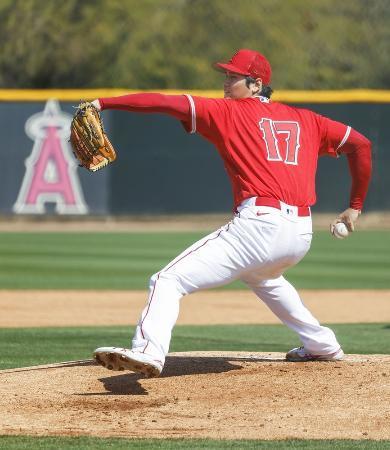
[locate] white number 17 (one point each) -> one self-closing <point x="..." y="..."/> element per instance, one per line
<point x="273" y="131"/>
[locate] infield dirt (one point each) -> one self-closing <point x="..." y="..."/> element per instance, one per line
<point x="82" y="308"/>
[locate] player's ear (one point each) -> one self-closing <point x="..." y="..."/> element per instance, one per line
<point x="257" y="86"/>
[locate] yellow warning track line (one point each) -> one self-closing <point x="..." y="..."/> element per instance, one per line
<point x="75" y="95"/>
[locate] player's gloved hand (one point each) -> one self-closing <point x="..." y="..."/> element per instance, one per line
<point x="349" y="217"/>
<point x="89" y="141"/>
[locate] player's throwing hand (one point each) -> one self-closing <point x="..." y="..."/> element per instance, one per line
<point x="349" y="217"/>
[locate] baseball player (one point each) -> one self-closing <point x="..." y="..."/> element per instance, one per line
<point x="270" y="152"/>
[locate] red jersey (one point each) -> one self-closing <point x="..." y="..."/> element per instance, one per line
<point x="269" y="149"/>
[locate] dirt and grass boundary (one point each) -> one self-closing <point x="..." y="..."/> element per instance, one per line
<point x="156" y="223"/>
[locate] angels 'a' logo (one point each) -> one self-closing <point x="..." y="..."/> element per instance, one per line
<point x="51" y="175"/>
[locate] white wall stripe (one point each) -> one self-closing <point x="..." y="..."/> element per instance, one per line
<point x="193" y="113"/>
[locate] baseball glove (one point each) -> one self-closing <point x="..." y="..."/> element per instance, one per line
<point x="90" y="143"/>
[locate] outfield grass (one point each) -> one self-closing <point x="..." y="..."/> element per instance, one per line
<point x="26" y="442"/>
<point x="33" y="346"/>
<point x="127" y="260"/>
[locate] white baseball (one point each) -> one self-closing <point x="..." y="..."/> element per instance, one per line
<point x="340" y="231"/>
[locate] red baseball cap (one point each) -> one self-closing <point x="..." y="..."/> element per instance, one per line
<point x="249" y="63"/>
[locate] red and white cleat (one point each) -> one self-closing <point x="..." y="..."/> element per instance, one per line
<point x="115" y="358"/>
<point x="300" y="354"/>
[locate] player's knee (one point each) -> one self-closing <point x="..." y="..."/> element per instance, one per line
<point x="171" y="279"/>
<point x="168" y="276"/>
<point x="163" y="276"/>
<point x="153" y="279"/>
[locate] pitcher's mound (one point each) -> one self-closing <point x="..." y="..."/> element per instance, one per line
<point x="226" y="395"/>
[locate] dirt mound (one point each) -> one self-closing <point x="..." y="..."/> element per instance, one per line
<point x="225" y="395"/>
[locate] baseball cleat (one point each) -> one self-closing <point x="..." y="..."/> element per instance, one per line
<point x="300" y="354"/>
<point x="115" y="358"/>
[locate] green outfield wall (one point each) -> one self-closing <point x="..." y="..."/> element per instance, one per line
<point x="160" y="168"/>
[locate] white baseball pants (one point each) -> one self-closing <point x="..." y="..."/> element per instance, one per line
<point x="257" y="246"/>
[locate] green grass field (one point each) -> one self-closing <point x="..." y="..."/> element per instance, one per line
<point x="27" y="443"/>
<point x="127" y="260"/>
<point x="48" y="345"/>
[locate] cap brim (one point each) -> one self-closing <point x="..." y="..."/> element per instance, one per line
<point x="221" y="67"/>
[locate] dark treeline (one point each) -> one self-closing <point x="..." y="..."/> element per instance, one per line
<point x="148" y="44"/>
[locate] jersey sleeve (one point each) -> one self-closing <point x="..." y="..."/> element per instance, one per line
<point x="337" y="138"/>
<point x="333" y="136"/>
<point x="358" y="151"/>
<point x="208" y="116"/>
<point x="149" y="102"/>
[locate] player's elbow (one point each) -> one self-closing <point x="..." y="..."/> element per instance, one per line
<point x="365" y="151"/>
<point x="367" y="143"/>
<point x="359" y="145"/>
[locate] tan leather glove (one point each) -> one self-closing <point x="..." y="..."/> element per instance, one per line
<point x="90" y="143"/>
